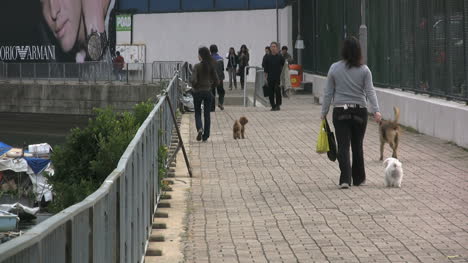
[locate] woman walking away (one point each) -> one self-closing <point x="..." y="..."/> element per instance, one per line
<point x="233" y="60"/>
<point x="349" y="88"/>
<point x="243" y="63"/>
<point x="204" y="78"/>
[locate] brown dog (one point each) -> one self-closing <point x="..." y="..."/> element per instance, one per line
<point x="239" y="128"/>
<point x="389" y="133"/>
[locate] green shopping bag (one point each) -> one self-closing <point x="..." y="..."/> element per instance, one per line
<point x="322" y="141"/>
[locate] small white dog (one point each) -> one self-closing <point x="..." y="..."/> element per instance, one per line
<point x="393" y="172"/>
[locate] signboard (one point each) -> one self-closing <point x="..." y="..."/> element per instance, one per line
<point x="124" y="22"/>
<point x="36" y="31"/>
<point x="132" y="53"/>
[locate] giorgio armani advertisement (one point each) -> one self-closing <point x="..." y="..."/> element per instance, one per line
<point x="34" y="31"/>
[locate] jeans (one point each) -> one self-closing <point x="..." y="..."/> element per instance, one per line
<point x="232" y="77"/>
<point x="275" y="91"/>
<point x="221" y="93"/>
<point x="204" y="97"/>
<point x="242" y="76"/>
<point x="350" y="127"/>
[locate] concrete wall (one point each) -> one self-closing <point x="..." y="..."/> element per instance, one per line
<point x="71" y="99"/>
<point x="436" y="117"/>
<point x="177" y="36"/>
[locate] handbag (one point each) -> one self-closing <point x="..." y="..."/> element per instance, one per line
<point x="332" y="154"/>
<point x="266" y="90"/>
<point x="322" y="140"/>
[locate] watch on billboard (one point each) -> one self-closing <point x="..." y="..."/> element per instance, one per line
<point x="55" y="30"/>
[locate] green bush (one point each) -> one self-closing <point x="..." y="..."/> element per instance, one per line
<point x="90" y="154"/>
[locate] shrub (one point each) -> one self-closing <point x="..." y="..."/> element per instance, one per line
<point x="90" y="154"/>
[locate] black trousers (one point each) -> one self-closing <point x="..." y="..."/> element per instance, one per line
<point x="275" y="91"/>
<point x="204" y="97"/>
<point x="221" y="93"/>
<point x="350" y="127"/>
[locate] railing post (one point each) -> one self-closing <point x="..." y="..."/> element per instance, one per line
<point x="21" y="73"/>
<point x="127" y="71"/>
<point x="64" y="75"/>
<point x="79" y="73"/>
<point x="95" y="76"/>
<point x="144" y="71"/>
<point x="48" y="71"/>
<point x="160" y="70"/>
<point x="109" y="70"/>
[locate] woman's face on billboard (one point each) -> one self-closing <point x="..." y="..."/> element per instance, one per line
<point x="63" y="18"/>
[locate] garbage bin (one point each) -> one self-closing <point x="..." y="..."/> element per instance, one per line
<point x="295" y="71"/>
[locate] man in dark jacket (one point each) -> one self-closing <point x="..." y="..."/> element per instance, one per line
<point x="273" y="65"/>
<point x="220" y="72"/>
<point x="267" y="53"/>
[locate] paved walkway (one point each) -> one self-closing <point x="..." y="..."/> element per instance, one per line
<point x="271" y="198"/>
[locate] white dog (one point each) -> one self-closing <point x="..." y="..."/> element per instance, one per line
<point x="393" y="172"/>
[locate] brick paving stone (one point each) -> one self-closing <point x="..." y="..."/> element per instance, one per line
<point x="271" y="198"/>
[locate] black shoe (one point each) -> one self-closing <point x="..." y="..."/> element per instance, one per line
<point x="277" y="108"/>
<point x="344" y="186"/>
<point x="273" y="108"/>
<point x="360" y="184"/>
<point x="221" y="107"/>
<point x="199" y="136"/>
<point x="205" y="139"/>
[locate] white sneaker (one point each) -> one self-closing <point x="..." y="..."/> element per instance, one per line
<point x="344" y="186"/>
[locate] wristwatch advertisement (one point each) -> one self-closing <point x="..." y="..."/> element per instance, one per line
<point x="96" y="45"/>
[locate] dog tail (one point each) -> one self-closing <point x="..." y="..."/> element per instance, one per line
<point x="397" y="114"/>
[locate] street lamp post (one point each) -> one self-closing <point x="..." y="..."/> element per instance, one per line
<point x="277" y="23"/>
<point x="363" y="32"/>
<point x="299" y="42"/>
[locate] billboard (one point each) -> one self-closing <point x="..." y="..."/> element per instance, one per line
<point x="124" y="22"/>
<point x="55" y="30"/>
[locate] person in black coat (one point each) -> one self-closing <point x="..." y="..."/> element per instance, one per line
<point x="233" y="61"/>
<point x="243" y="63"/>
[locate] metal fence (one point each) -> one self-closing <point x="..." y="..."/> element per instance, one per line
<point x="163" y="70"/>
<point x="259" y="82"/>
<point x="257" y="93"/>
<point x="113" y="224"/>
<point x="89" y="72"/>
<point x="418" y="45"/>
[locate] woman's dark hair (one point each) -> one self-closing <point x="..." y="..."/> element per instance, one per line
<point x="232" y="51"/>
<point x="244" y="47"/>
<point x="206" y="59"/>
<point x="351" y="52"/>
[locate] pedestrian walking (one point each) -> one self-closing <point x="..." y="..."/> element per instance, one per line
<point x="267" y="52"/>
<point x="204" y="78"/>
<point x="243" y="63"/>
<point x="219" y="66"/>
<point x="119" y="63"/>
<point x="273" y="67"/>
<point x="233" y="61"/>
<point x="349" y="88"/>
<point x="286" y="55"/>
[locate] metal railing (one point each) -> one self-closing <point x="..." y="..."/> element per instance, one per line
<point x="163" y="70"/>
<point x="258" y="86"/>
<point x="113" y="224"/>
<point x="89" y="72"/>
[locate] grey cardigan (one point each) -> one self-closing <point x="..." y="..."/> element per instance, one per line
<point x="349" y="86"/>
